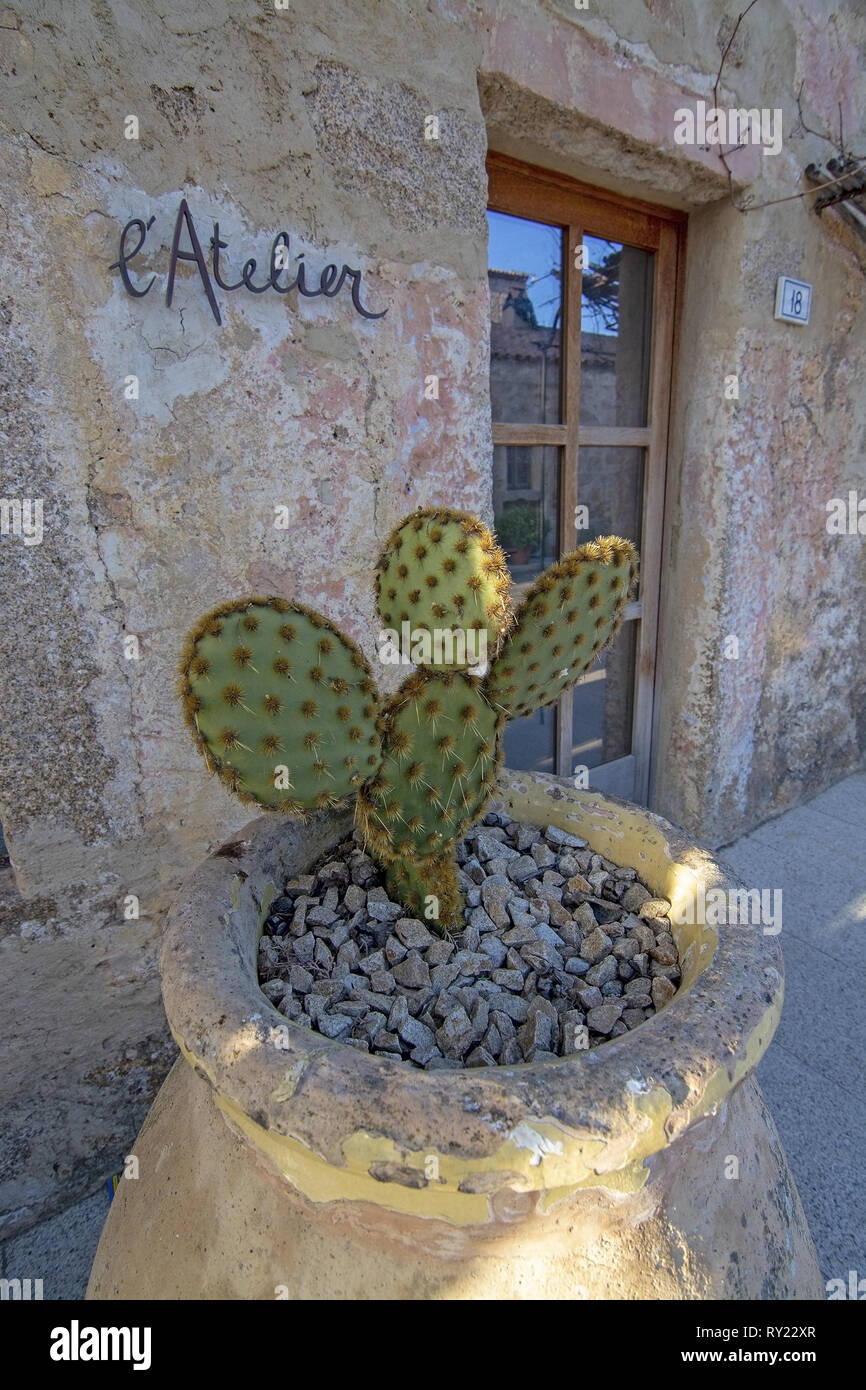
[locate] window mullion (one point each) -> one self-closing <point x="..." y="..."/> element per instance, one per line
<point x="569" y="454"/>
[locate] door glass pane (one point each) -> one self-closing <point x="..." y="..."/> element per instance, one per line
<point x="616" y="316"/>
<point x="603" y="704"/>
<point x="529" y="744"/>
<point x="610" y="487"/>
<point x="525" y="511"/>
<point x="525" y="280"/>
<point x="525" y="506"/>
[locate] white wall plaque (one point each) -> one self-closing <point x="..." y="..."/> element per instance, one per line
<point x="793" y="300"/>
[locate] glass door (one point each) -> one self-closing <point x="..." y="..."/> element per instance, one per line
<point x="581" y="330"/>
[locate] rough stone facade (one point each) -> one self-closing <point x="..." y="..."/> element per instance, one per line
<point x="312" y="121"/>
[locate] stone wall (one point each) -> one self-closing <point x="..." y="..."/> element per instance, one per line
<point x="312" y="120"/>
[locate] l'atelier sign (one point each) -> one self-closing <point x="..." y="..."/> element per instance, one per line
<point x="331" y="280"/>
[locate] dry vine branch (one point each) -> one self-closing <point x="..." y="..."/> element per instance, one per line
<point x="790" y="197"/>
<point x="821" y="134"/>
<point x="723" y="155"/>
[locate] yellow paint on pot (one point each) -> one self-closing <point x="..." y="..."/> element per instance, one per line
<point x="721" y="1082"/>
<point x="324" y="1182"/>
<point x="563" y="1156"/>
<point x="542" y="1157"/>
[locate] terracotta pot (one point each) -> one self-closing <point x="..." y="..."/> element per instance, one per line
<point x="520" y="556"/>
<point x="275" y="1163"/>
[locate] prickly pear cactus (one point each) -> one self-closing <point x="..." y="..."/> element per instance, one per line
<point x="285" y="711"/>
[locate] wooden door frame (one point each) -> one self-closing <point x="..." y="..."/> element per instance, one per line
<point x="523" y="190"/>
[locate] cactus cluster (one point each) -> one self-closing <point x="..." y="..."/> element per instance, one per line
<point x="284" y="708"/>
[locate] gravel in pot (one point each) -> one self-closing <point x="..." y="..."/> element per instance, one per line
<point x="561" y="950"/>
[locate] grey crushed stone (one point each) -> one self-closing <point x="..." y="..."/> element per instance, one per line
<point x="561" y="951"/>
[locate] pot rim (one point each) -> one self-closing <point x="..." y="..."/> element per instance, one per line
<point x="585" y="1120"/>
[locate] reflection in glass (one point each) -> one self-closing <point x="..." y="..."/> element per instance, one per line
<point x="603" y="704"/>
<point x="616" y="318"/>
<point x="610" y="486"/>
<point x="525" y="506"/>
<point x="529" y="744"/>
<point x="525" y="282"/>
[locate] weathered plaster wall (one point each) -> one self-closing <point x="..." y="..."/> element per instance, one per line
<point x="312" y="120"/>
<point x="749" y="553"/>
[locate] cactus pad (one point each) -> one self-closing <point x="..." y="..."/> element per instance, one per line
<point x="442" y="570"/>
<point x="267" y="685"/>
<point x="439" y="740"/>
<point x="567" y="617"/>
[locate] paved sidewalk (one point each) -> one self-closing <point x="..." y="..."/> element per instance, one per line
<point x="812" y="1074"/>
<point x="58" y="1251"/>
